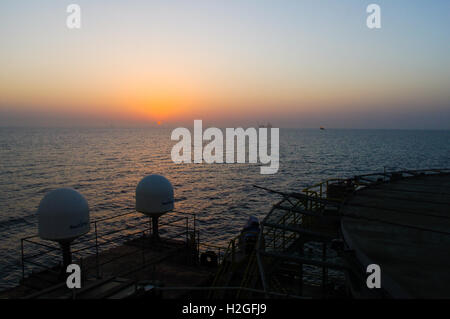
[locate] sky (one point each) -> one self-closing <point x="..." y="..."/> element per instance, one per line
<point x="230" y="63"/>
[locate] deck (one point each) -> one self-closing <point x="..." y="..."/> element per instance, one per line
<point x="404" y="227"/>
<point x="167" y="262"/>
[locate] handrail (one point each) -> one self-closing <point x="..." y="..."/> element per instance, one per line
<point x="277" y="234"/>
<point x="119" y="234"/>
<point x="223" y="268"/>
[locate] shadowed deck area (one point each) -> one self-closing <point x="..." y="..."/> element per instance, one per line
<point x="168" y="262"/>
<point x="404" y="227"/>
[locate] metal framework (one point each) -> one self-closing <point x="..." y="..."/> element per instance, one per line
<point x="284" y="263"/>
<point x="295" y="225"/>
<point x="297" y="220"/>
<point x="41" y="256"/>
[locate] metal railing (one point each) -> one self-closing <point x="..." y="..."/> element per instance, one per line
<point x="292" y="217"/>
<point x="226" y="264"/>
<point x="320" y="190"/>
<point x="38" y="255"/>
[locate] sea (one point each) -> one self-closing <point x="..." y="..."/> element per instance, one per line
<point x="106" y="164"/>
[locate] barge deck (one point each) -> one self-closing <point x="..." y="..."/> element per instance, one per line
<point x="404" y="227"/>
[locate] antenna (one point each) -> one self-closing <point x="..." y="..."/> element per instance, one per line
<point x="154" y="197"/>
<point x="63" y="215"/>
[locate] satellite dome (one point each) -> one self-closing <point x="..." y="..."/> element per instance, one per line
<point x="154" y="195"/>
<point x="63" y="215"/>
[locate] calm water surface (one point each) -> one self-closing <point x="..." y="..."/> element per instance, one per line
<point x="105" y="165"/>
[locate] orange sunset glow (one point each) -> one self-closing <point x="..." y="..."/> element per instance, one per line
<point x="294" y="65"/>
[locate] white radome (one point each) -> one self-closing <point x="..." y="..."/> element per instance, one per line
<point x="63" y="215"/>
<point x="154" y="195"/>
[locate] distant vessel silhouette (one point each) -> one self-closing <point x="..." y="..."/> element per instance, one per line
<point x="268" y="125"/>
<point x="322" y="128"/>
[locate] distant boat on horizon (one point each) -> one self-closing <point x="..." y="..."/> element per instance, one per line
<point x="268" y="125"/>
<point x="322" y="128"/>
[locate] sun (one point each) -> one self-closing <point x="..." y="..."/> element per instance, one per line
<point x="159" y="123"/>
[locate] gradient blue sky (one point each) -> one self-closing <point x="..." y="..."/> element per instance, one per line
<point x="294" y="63"/>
